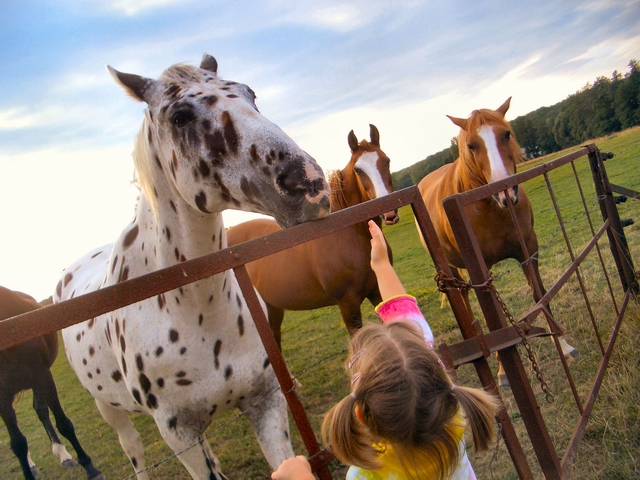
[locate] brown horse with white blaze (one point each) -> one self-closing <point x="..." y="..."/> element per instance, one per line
<point x="330" y="270"/>
<point x="489" y="152"/>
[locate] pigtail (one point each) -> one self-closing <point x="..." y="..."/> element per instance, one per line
<point x="350" y="440"/>
<point x="480" y="409"/>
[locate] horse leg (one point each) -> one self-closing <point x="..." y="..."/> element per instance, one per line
<point x="42" y="410"/>
<point x="191" y="447"/>
<point x="128" y="436"/>
<point x="267" y="414"/>
<point x="19" y="445"/>
<point x="351" y="314"/>
<point x="46" y="389"/>
<point x="276" y="315"/>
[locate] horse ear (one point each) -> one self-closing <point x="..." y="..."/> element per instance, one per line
<point x="353" y="142"/>
<point x="209" y="63"/>
<point x="136" y="86"/>
<point x="375" y="135"/>
<point x="460" y="122"/>
<point x="502" y="109"/>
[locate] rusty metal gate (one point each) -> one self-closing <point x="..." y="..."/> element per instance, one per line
<point x="475" y="348"/>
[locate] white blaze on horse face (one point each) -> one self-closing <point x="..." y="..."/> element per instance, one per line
<point x="368" y="164"/>
<point x="498" y="170"/>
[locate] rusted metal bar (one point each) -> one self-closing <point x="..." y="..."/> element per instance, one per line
<point x="580" y="428"/>
<point x="282" y="373"/>
<point x="465" y="320"/>
<point x="471" y="349"/>
<point x="617" y="239"/>
<point x="593" y="232"/>
<point x="24" y="327"/>
<point x="522" y="391"/>
<point x="485" y="191"/>
<point x="624" y="191"/>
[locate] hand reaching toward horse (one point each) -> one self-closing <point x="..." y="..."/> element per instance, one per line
<point x="388" y="281"/>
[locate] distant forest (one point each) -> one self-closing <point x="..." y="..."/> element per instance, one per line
<point x="604" y="107"/>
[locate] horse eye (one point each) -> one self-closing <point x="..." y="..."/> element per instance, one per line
<point x="471" y="146"/>
<point x="507" y="134"/>
<point x="358" y="170"/>
<point x="181" y="118"/>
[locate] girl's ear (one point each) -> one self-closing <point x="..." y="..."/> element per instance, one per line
<point x="359" y="415"/>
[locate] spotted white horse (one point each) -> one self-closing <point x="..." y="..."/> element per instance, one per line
<point x="184" y="355"/>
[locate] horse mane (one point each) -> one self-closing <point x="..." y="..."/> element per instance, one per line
<point x="337" y="199"/>
<point x="142" y="162"/>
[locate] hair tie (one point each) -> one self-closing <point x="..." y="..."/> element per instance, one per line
<point x="354" y="396"/>
<point x="453" y="387"/>
<point x="355" y="357"/>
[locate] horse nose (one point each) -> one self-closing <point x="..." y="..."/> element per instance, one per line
<point x="501" y="198"/>
<point x="391" y="218"/>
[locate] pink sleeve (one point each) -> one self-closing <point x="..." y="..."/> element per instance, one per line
<point x="404" y="308"/>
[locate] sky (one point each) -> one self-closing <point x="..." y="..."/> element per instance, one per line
<point x="319" y="69"/>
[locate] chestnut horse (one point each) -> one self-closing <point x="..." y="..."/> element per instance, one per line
<point x="26" y="366"/>
<point x="330" y="270"/>
<point x="488" y="153"/>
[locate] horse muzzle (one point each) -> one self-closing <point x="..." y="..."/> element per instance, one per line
<point x="501" y="198"/>
<point x="391" y="218"/>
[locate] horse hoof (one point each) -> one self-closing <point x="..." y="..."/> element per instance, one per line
<point x="69" y="463"/>
<point x="34" y="471"/>
<point x="503" y="381"/>
<point x="572" y="354"/>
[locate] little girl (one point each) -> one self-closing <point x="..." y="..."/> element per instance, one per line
<point x="404" y="419"/>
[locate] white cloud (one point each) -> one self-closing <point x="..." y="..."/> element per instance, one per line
<point x="19" y="118"/>
<point x="133" y="7"/>
<point x="341" y="16"/>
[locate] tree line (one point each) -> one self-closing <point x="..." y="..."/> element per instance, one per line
<point x="604" y="107"/>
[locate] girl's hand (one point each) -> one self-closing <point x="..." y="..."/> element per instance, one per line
<point x="379" y="254"/>
<point x="297" y="468"/>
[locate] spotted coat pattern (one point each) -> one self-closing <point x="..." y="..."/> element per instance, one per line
<point x="189" y="353"/>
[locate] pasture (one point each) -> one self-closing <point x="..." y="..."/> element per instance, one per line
<point x="314" y="344"/>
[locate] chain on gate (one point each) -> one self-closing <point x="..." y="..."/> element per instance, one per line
<point x="447" y="283"/>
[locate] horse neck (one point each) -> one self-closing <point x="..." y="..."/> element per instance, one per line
<point x="176" y="231"/>
<point x="345" y="190"/>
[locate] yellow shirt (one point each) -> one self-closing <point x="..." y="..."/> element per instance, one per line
<point x="392" y="469"/>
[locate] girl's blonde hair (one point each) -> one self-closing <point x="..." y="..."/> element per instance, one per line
<point x="407" y="401"/>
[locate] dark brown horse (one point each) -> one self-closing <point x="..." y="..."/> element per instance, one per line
<point x="488" y="152"/>
<point x="27" y="366"/>
<point x="334" y="269"/>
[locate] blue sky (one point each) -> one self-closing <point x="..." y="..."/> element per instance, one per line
<point x="319" y="70"/>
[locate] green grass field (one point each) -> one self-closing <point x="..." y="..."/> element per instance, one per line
<point x="315" y="344"/>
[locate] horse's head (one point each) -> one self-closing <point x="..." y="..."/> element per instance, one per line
<point x="206" y="139"/>
<point x="489" y="148"/>
<point x="370" y="166"/>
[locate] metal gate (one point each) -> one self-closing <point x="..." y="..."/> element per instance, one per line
<point x="475" y="348"/>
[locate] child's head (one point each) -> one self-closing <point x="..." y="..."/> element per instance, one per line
<point x="401" y="395"/>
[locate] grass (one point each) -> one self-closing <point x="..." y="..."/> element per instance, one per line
<point x="315" y="341"/>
